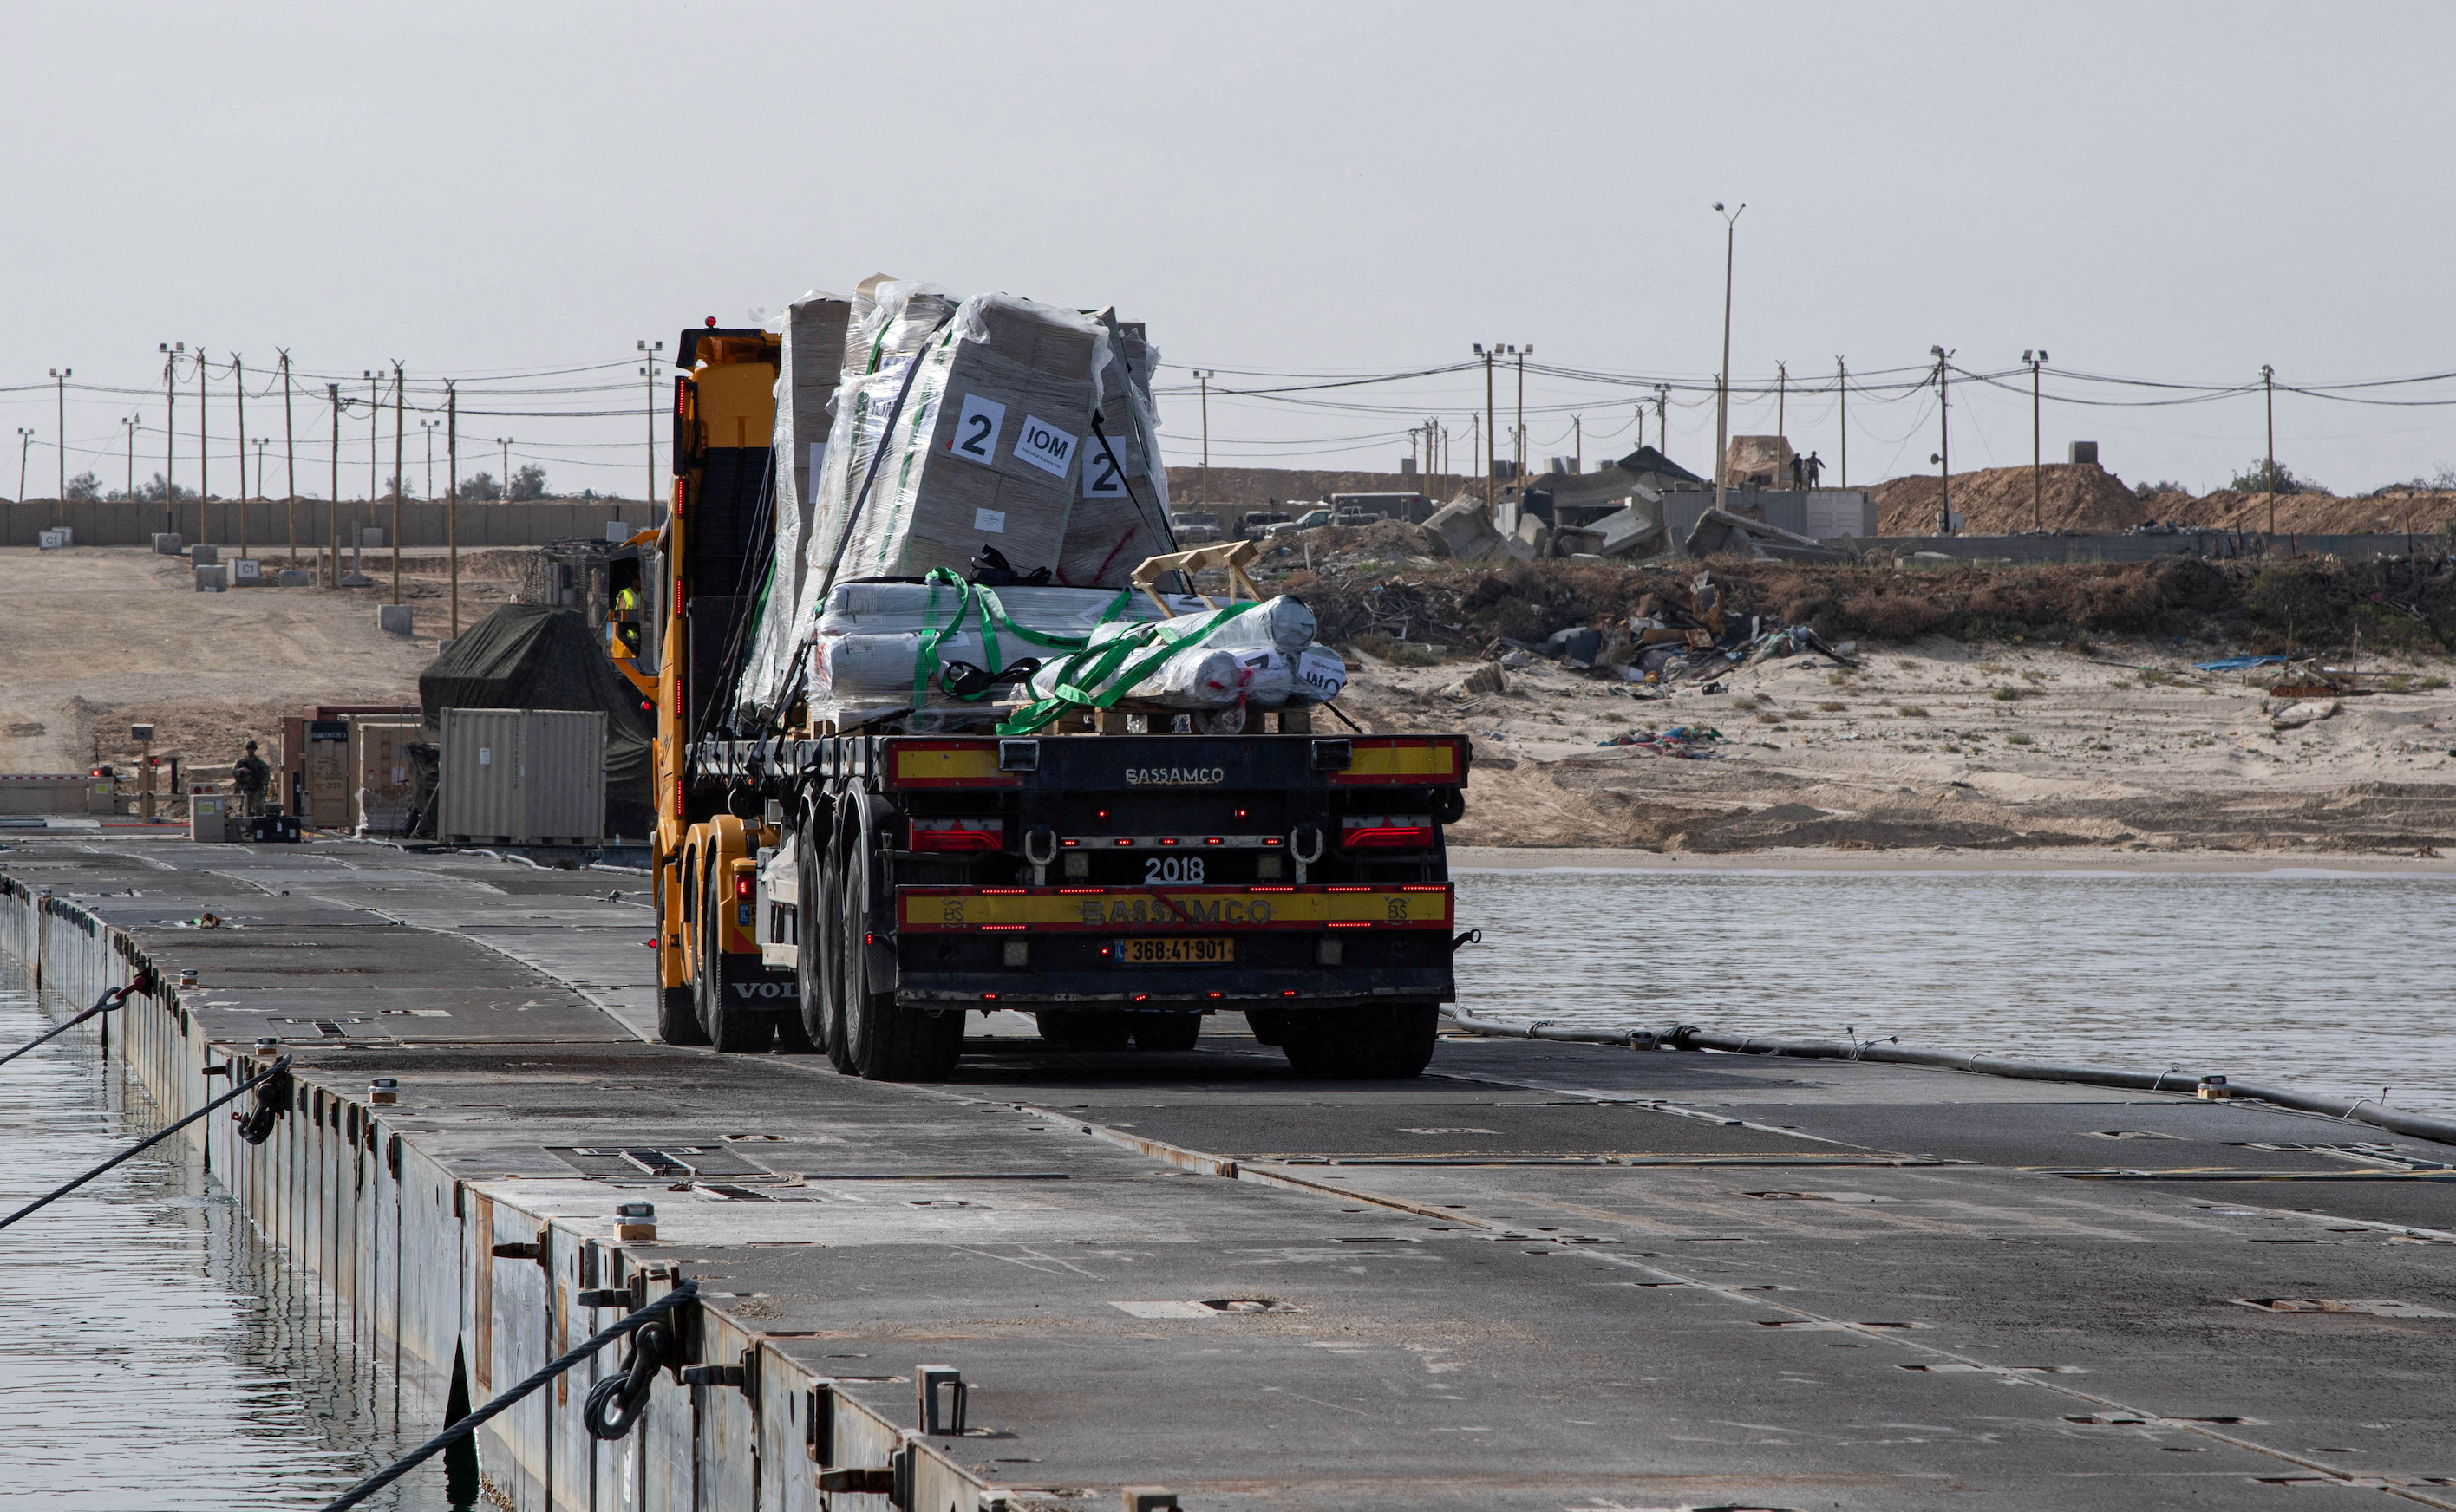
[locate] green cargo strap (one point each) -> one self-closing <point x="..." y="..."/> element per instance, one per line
<point x="993" y="618"/>
<point x="1091" y="669"/>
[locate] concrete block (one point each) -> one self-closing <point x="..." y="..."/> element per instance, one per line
<point x="393" y="619"/>
<point x="1466" y="529"/>
<point x="296" y="578"/>
<point x="212" y="579"/>
<point x="1634" y="531"/>
<point x="167" y="543"/>
<point x="204" y="555"/>
<point x="55" y="538"/>
<point x="371" y="538"/>
<point x="1572" y="540"/>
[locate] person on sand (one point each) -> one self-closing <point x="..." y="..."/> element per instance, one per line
<point x="251" y="774"/>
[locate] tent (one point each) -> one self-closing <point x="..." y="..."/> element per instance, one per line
<point x="536" y="656"/>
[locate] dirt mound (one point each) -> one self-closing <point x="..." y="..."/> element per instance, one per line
<point x="2308" y="605"/>
<point x="2418" y="512"/>
<point x="1997" y="502"/>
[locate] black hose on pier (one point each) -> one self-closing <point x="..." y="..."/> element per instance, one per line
<point x="681" y="1293"/>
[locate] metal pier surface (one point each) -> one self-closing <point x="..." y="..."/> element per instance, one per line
<point x="1545" y="1275"/>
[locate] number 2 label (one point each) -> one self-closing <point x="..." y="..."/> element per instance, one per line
<point x="1172" y="868"/>
<point x="1101" y="478"/>
<point x="976" y="430"/>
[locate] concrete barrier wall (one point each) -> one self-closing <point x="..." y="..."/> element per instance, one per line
<point x="401" y="1253"/>
<point x="268" y="522"/>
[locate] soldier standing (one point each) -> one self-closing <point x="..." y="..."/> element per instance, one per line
<point x="251" y="774"/>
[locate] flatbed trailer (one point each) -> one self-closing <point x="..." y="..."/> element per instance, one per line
<point x="858" y="893"/>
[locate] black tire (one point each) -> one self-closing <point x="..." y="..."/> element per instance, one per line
<point x="1268" y="1024"/>
<point x="1082" y="1029"/>
<point x="677" y="1014"/>
<point x="809" y="1032"/>
<point x="1363" y="1044"/>
<point x="831" y="954"/>
<point x="1167" y="1031"/>
<point x="733" y="1029"/>
<point x="885" y="1040"/>
<point x="678" y="1018"/>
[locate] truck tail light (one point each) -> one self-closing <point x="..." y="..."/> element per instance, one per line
<point x="741" y="885"/>
<point x="959" y="834"/>
<point x="1386" y="832"/>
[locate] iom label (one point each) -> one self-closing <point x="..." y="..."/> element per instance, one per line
<point x="1045" y="446"/>
<point x="976" y="430"/>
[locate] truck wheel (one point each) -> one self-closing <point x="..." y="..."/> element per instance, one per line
<point x="1167" y="1031"/>
<point x="1364" y="1044"/>
<point x="677" y="1014"/>
<point x="733" y="1029"/>
<point x="885" y="1042"/>
<point x="678" y="1018"/>
<point x="831" y="956"/>
<point x="809" y="952"/>
<point x="1268" y="1024"/>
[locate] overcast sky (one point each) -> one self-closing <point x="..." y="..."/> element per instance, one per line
<point x="2165" y="191"/>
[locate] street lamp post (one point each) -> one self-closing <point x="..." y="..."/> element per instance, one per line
<point x="25" y="444"/>
<point x="2268" y="398"/>
<point x="2038" y="486"/>
<point x="1518" y="461"/>
<point x="649" y="351"/>
<point x="428" y="426"/>
<point x="171" y="351"/>
<point x="1487" y="355"/>
<point x="1723" y="382"/>
<point x="503" y="486"/>
<point x="130" y="421"/>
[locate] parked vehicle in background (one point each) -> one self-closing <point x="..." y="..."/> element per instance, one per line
<point x="1413" y="508"/>
<point x="1310" y="519"/>
<point x="1253" y="524"/>
<point x="1197" y="527"/>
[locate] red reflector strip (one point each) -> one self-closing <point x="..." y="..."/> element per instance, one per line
<point x="1424" y="887"/>
<point x="1289" y="992"/>
<point x="1272" y="841"/>
<point x="1215" y="995"/>
<point x="988" y="998"/>
<point x="1121" y="840"/>
<point x="1070" y="842"/>
<point x="1277" y="889"/>
<point x="1365" y="924"/>
<point x="1168" y="840"/>
<point x="1068" y="892"/>
<point x="1143" y="997"/>
<point x="1347" y="890"/>
<point x="1387" y="837"/>
<point x="1006" y="892"/>
<point x="1213" y="841"/>
<point x="1005" y="925"/>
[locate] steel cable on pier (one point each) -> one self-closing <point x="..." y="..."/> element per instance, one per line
<point x="254" y="1130"/>
<point x="681" y="1293"/>
<point x="110" y="1000"/>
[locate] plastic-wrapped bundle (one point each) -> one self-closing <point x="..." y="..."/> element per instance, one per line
<point x="1196" y="677"/>
<point x="811" y="364"/>
<point x="1280" y="623"/>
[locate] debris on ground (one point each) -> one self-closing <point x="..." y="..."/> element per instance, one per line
<point x="1680" y="740"/>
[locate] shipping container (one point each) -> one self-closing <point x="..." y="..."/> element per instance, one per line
<point x="522" y="777"/>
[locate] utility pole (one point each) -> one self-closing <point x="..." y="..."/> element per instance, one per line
<point x="2038" y="487"/>
<point x="333" y="527"/>
<point x="238" y="392"/>
<point x="204" y="461"/>
<point x="503" y="494"/>
<point x="429" y="427"/>
<point x="1943" y="457"/>
<point x="1519" y="463"/>
<point x="651" y="349"/>
<point x="130" y="421"/>
<point x="1578" y="443"/>
<point x="1490" y="505"/>
<point x="397" y="412"/>
<point x="1723" y="381"/>
<point x="1204" y="379"/>
<point x="452" y="493"/>
<point x="171" y="434"/>
<point x="290" y="452"/>
<point x="1842" y="410"/>
<point x="2268" y="400"/>
<point x="1782" y="403"/>
<point x="60" y="399"/>
<point x="1661" y="420"/>
<point x="25" y="444"/>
